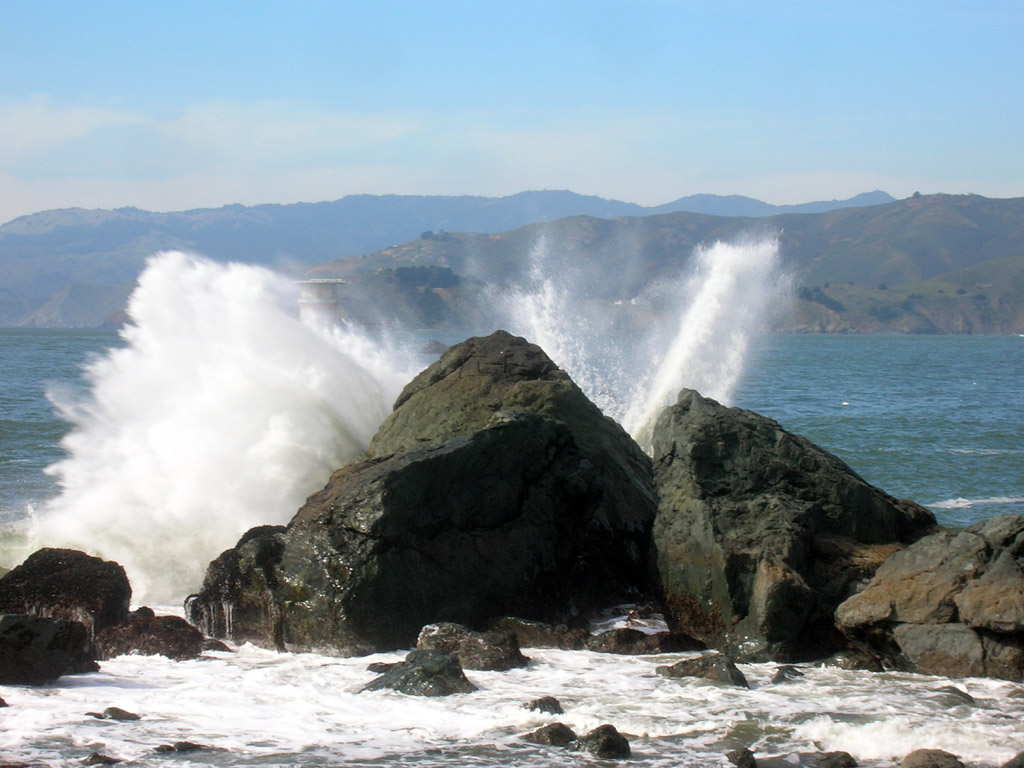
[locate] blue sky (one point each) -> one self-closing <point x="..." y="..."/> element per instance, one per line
<point x="169" y="106"/>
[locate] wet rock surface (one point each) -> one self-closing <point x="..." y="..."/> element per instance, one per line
<point x="35" y="650"/>
<point x="147" y="634"/>
<point x="712" y="666"/>
<point x="68" y="584"/>
<point x="495" y="650"/>
<point x="424" y="673"/>
<point x="760" y="534"/>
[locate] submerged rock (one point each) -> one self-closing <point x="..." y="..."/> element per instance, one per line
<point x="633" y="642"/>
<point x="952" y="604"/>
<point x="36" y="650"/>
<point x="760" y="534"/>
<point x="714" y="666"/>
<point x="553" y="734"/>
<point x="424" y="673"/>
<point x="548" y="704"/>
<point x="741" y="758"/>
<point x="495" y="488"/>
<point x="68" y="584"/>
<point x="606" y="743"/>
<point x="495" y="650"/>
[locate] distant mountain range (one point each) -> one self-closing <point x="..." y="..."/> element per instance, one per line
<point x="936" y="263"/>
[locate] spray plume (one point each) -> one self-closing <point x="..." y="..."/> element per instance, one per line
<point x="222" y="411"/>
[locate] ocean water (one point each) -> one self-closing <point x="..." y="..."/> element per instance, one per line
<point x="936" y="419"/>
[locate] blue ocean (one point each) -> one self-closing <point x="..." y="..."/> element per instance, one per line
<point x="140" y="446"/>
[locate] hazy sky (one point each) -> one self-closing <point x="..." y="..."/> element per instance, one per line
<point x="176" y="105"/>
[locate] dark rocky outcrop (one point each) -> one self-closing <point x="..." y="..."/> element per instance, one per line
<point x="495" y="488"/>
<point x="760" y="534"/>
<point x="837" y="759"/>
<point x="713" y="666"/>
<point x="1017" y="761"/>
<point x="741" y="758"/>
<point x="552" y="735"/>
<point x="146" y="634"/>
<point x="605" y="743"/>
<point x="35" y="650"/>
<point x="115" y="713"/>
<point x="424" y="673"/>
<point x="952" y="604"/>
<point x="68" y="584"/>
<point x="495" y="650"/>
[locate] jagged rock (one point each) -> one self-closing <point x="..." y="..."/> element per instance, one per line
<point x="952" y="604"/>
<point x="553" y="734"/>
<point x="537" y="634"/>
<point x="68" y="584"/>
<point x="714" y="666"/>
<point x="424" y="673"/>
<point x="606" y="743"/>
<point x="930" y="758"/>
<point x="146" y="634"/>
<point x="495" y="650"/>
<point x="36" y="650"/>
<point x="548" y="704"/>
<point x="741" y="758"/>
<point x="760" y="534"/>
<point x="629" y="641"/>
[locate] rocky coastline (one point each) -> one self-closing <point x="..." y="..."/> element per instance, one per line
<point x="497" y="509"/>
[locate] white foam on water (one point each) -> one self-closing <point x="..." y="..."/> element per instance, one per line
<point x="267" y="708"/>
<point x="222" y="412"/>
<point x="962" y="503"/>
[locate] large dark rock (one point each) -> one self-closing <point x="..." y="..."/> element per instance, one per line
<point x="494" y="650"/>
<point x="473" y="380"/>
<point x="143" y="633"/>
<point x="538" y="634"/>
<point x="633" y="642"/>
<point x="424" y="673"/>
<point x="35" y="650"/>
<point x="952" y="604"/>
<point x="481" y="526"/>
<point x="713" y="666"/>
<point x="68" y="584"/>
<point x="760" y="534"/>
<point x="606" y="743"/>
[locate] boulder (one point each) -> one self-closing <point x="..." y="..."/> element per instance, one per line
<point x="837" y="759"/>
<point x="741" y="758"/>
<point x="146" y="634"/>
<point x="35" y="650"/>
<point x="606" y="743"/>
<point x="760" y="534"/>
<point x="497" y="522"/>
<point x="552" y="734"/>
<point x="494" y="651"/>
<point x="930" y="758"/>
<point x="548" y="704"/>
<point x="714" y="666"/>
<point x="424" y="673"/>
<point x="68" y="584"/>
<point x="952" y="604"/>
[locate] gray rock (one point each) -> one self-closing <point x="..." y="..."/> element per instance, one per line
<point x="930" y="758"/>
<point x="424" y="673"/>
<point x="952" y="604"/>
<point x="495" y="650"/>
<point x="760" y="534"/>
<point x="36" y="650"/>
<point x="838" y="759"/>
<point x="714" y="666"/>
